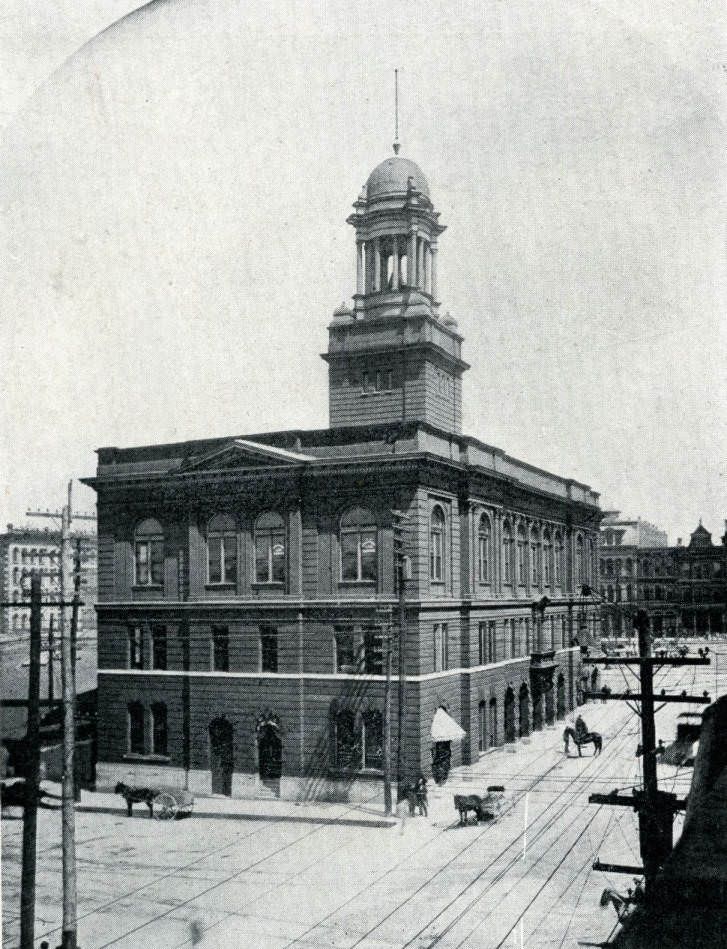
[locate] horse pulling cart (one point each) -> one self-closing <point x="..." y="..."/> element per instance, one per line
<point x="163" y="803"/>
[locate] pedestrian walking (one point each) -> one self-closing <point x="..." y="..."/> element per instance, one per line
<point x="420" y="790"/>
<point x="403" y="808"/>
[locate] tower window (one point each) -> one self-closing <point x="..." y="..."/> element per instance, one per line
<point x="436" y="545"/>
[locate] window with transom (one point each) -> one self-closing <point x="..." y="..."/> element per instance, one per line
<point x="149" y="554"/>
<point x="359" y="553"/>
<point x="221" y="550"/>
<point x="483" y="539"/>
<point x="507" y="554"/>
<point x="436" y="544"/>
<point x="270" y="548"/>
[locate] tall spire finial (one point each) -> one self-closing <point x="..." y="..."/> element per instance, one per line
<point x="396" y="112"/>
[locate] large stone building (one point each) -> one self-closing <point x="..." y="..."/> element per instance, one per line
<point x="682" y="588"/>
<point x="23" y="549"/>
<point x="244" y="581"/>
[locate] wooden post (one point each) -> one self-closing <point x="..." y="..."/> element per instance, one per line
<point x="74" y="651"/>
<point x="32" y="778"/>
<point x="387" y="723"/>
<point x="69" y="936"/>
<point x="51" y="673"/>
<point x="649" y="823"/>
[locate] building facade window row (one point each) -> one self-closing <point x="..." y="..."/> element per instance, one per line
<point x="534" y="557"/>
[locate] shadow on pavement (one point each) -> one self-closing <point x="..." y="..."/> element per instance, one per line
<point x="270" y="818"/>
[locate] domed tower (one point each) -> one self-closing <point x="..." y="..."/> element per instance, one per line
<point x="390" y="357"/>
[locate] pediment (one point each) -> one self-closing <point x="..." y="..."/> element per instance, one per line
<point x="240" y="453"/>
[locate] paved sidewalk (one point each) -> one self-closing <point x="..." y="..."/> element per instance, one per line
<point x="221" y="807"/>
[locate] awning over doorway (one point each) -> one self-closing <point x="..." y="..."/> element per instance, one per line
<point x="444" y="727"/>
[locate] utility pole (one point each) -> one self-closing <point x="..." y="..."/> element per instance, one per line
<point x="69" y="937"/>
<point x="51" y="673"/>
<point x="656" y="808"/>
<point x="32" y="779"/>
<point x="74" y="645"/>
<point x="387" y="721"/>
<point x="401" y="569"/>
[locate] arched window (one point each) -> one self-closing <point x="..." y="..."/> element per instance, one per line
<point x="16" y="621"/>
<point x="345" y="745"/>
<point x="149" y="554"/>
<point x="372" y="739"/>
<point x="136" y="728"/>
<point x="628" y="567"/>
<point x="15" y="554"/>
<point x="436" y="544"/>
<point x="647" y="593"/>
<point x="507" y="553"/>
<point x="493" y="735"/>
<point x="645" y="568"/>
<point x="222" y="550"/>
<point x="359" y="558"/>
<point x="629" y="592"/>
<point x="484" y="549"/>
<point x="547" y="558"/>
<point x="609" y="594"/>
<point x="591" y="563"/>
<point x="534" y="557"/>
<point x="270" y="548"/>
<point x="579" y="562"/>
<point x="482" y="721"/>
<point x="558" y="560"/>
<point x="521" y="555"/>
<point x="159" y="728"/>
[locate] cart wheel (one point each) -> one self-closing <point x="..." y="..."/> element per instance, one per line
<point x="165" y="807"/>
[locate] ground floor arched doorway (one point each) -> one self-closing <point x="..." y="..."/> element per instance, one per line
<point x="524" y="702"/>
<point x="549" y="696"/>
<point x="561" y="706"/>
<point x="222" y="755"/>
<point x="270" y="752"/>
<point x="509" y="716"/>
<point x="492" y="723"/>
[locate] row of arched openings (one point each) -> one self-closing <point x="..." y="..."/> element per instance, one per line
<point x="358" y="545"/>
<point x="518" y="718"/>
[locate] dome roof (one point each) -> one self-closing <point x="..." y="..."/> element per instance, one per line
<point x="392" y="177"/>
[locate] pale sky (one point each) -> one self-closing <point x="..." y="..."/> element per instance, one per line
<point x="174" y="195"/>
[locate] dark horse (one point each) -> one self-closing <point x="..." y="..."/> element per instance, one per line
<point x="136" y="796"/>
<point x="588" y="738"/>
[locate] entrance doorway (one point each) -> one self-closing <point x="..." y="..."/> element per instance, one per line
<point x="270" y="753"/>
<point x="524" y="711"/>
<point x="222" y="759"/>
<point x="561" y="696"/>
<point x="550" y="705"/>
<point x="509" y="715"/>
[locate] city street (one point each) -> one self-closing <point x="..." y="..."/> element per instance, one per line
<point x="273" y="875"/>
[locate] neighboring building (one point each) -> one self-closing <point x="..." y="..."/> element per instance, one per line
<point x="23" y="549"/>
<point x="244" y="581"/>
<point x="638" y="533"/>
<point x="683" y="588"/>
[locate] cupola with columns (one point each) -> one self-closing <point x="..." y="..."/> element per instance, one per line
<point x="391" y="357"/>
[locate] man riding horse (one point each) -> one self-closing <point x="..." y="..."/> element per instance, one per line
<point x="581" y="736"/>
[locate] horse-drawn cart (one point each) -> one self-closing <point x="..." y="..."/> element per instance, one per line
<point x="163" y="803"/>
<point x="485" y="807"/>
<point x="173" y="802"/>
